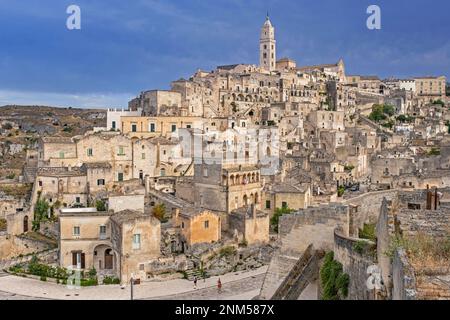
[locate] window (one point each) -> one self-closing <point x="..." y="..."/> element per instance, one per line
<point x="284" y="205"/>
<point x="206" y="224"/>
<point x="61" y="154"/>
<point x="174" y="127"/>
<point x="76" y="231"/>
<point x="101" y="182"/>
<point x="90" y="152"/>
<point x="205" y="172"/>
<point x="182" y="225"/>
<point x="77" y="200"/>
<point x="121" y="151"/>
<point x="102" y="231"/>
<point x="136" y="241"/>
<point x="143" y="156"/>
<point x="152" y="127"/>
<point x="113" y="125"/>
<point x="267" y="204"/>
<point x="188" y="126"/>
<point x="133" y="127"/>
<point x="40" y="183"/>
<point x="120" y="176"/>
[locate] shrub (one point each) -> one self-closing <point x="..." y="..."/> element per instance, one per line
<point x="434" y="152"/>
<point x="111" y="280"/>
<point x="368" y="232"/>
<point x="227" y="251"/>
<point x="440" y="102"/>
<point x="334" y="281"/>
<point x="100" y="205"/>
<point x="92" y="273"/>
<point x="3" y="224"/>
<point x="360" y="246"/>
<point x="88" y="282"/>
<point x="11" y="176"/>
<point x="349" y="167"/>
<point x="159" y="212"/>
<point x="341" y="191"/>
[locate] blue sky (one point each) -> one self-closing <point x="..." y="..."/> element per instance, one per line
<point x="125" y="47"/>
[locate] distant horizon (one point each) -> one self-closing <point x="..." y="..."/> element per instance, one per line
<point x="125" y="48"/>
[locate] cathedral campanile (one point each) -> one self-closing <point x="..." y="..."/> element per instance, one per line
<point x="267" y="46"/>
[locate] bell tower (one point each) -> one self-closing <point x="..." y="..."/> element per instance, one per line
<point x="267" y="46"/>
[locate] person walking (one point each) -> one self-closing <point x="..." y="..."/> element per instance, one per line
<point x="219" y="286"/>
<point x="195" y="282"/>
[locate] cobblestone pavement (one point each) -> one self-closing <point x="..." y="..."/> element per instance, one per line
<point x="13" y="296"/>
<point x="235" y="285"/>
<point x="243" y="288"/>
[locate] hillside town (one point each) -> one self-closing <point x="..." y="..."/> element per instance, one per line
<point x="299" y="171"/>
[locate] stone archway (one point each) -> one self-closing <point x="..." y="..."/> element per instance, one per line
<point x="104" y="258"/>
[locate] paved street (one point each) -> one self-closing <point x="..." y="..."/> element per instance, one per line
<point x="236" y="285"/>
<point x="244" y="289"/>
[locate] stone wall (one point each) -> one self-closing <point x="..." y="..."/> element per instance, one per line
<point x="403" y="278"/>
<point x="50" y="229"/>
<point x="14" y="246"/>
<point x="355" y="264"/>
<point x="367" y="208"/>
<point x="314" y="225"/>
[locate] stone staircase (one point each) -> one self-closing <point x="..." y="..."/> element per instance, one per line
<point x="279" y="267"/>
<point x="304" y="272"/>
<point x="191" y="274"/>
<point x="29" y="174"/>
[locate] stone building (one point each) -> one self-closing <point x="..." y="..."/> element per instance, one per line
<point x="114" y="243"/>
<point x="135" y="238"/>
<point x="249" y="225"/>
<point x="430" y="89"/>
<point x="197" y="225"/>
<point x="286" y="195"/>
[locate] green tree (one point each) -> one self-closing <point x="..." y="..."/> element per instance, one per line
<point x="440" y="102"/>
<point x="377" y="113"/>
<point x="276" y="217"/>
<point x="388" y="110"/>
<point x="41" y="210"/>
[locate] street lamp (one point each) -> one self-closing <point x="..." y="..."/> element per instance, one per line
<point x="131" y="282"/>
